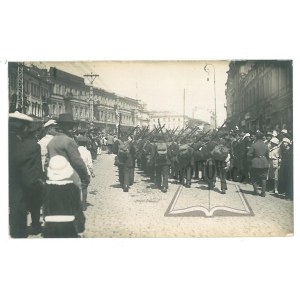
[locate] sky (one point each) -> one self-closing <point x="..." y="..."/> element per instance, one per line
<point x="160" y="84"/>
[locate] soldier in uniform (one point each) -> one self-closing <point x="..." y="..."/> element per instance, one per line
<point x="185" y="162"/>
<point x="126" y="163"/>
<point x="174" y="148"/>
<point x="259" y="155"/>
<point x="161" y="158"/>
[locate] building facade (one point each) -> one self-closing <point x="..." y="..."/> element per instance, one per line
<point x="259" y="95"/>
<point x="48" y="93"/>
<point x="173" y="120"/>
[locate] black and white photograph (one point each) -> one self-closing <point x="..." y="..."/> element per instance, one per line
<point x="151" y="149"/>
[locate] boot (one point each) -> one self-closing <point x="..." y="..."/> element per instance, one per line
<point x="263" y="188"/>
<point x="255" y="187"/>
<point x="164" y="190"/>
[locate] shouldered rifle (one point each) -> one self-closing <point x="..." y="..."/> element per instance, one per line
<point x="189" y="134"/>
<point x="160" y="128"/>
<point x="132" y="131"/>
<point x="181" y="133"/>
<point x="200" y="137"/>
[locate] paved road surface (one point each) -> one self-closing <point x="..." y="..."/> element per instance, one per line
<point x="141" y="212"/>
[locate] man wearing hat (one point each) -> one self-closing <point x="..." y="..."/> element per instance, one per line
<point x="267" y="141"/>
<point x="25" y="172"/>
<point x="63" y="144"/>
<point x="259" y="155"/>
<point x="285" y="180"/>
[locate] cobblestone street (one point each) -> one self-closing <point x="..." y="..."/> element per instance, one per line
<point x="141" y="212"/>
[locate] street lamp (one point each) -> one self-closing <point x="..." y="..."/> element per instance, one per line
<point x="207" y="70"/>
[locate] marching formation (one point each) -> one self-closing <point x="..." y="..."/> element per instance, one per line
<point x="263" y="159"/>
<point x="51" y="166"/>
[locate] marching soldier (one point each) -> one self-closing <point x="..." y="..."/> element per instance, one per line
<point x="259" y="155"/>
<point x="185" y="161"/>
<point x="161" y="158"/>
<point x="126" y="163"/>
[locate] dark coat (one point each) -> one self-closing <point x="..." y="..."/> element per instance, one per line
<point x="154" y="157"/>
<point x="25" y="167"/>
<point x="63" y="145"/>
<point x="130" y="161"/>
<point x="259" y="155"/>
<point x="63" y="199"/>
<point x="25" y="175"/>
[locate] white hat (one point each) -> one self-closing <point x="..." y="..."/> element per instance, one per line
<point x="274" y="133"/>
<point x="59" y="168"/>
<point x="50" y="122"/>
<point x="284" y="131"/>
<point x="286" y="140"/>
<point x="246" y="135"/>
<point x="274" y="140"/>
<point x="20" y="116"/>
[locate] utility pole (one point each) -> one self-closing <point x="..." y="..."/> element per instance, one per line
<point x="207" y="70"/>
<point x="20" y="91"/>
<point x="91" y="77"/>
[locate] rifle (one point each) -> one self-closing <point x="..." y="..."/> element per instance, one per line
<point x="181" y="133"/>
<point x="152" y="134"/>
<point x="200" y="137"/>
<point x="160" y="128"/>
<point x="144" y="133"/>
<point x="132" y="131"/>
<point x="173" y="131"/>
<point x="189" y="134"/>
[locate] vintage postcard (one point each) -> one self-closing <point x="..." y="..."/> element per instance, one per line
<point x="151" y="149"/>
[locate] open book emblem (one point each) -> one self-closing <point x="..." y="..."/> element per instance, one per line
<point x="209" y="203"/>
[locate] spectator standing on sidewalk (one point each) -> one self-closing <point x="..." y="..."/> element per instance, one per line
<point x="63" y="144"/>
<point x="50" y="131"/>
<point x="25" y="172"/>
<point x="285" y="184"/>
<point x="62" y="210"/>
<point x="274" y="156"/>
<point x="87" y="158"/>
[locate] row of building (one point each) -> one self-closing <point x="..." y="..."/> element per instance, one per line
<point x="50" y="92"/>
<point x="259" y="95"/>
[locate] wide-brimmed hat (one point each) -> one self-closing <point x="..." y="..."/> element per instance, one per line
<point x="50" y="123"/>
<point x="284" y="131"/>
<point x="286" y="140"/>
<point x="82" y="139"/>
<point x="66" y="118"/>
<point x="59" y="168"/>
<point x="274" y="140"/>
<point x="20" y="116"/>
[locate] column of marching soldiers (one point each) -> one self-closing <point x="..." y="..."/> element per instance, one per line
<point x="264" y="159"/>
